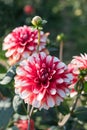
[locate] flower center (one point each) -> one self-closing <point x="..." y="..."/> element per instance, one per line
<point x="24" y="38"/>
<point x="43" y="75"/>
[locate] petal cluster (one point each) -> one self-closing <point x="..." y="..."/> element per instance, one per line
<point x="42" y="80"/>
<point x="77" y="64"/>
<point x="22" y="42"/>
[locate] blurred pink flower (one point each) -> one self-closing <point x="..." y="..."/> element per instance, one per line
<point x="23" y="124"/>
<point x="77" y="64"/>
<point x="28" y="9"/>
<point x="22" y="42"/>
<point x="42" y="81"/>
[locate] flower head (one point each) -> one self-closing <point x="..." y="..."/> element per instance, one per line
<point x="23" y="124"/>
<point x="42" y="80"/>
<point x="22" y="42"/>
<point x="76" y="67"/>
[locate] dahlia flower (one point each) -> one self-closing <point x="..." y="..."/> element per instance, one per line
<point x="78" y="64"/>
<point x="23" y="124"/>
<point x="22" y="42"/>
<point x="42" y="80"/>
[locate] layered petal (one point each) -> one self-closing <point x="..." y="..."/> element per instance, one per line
<point x="46" y="80"/>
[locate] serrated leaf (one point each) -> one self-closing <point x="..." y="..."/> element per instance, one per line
<point x="19" y="105"/>
<point x="9" y="76"/>
<point x="81" y="113"/>
<point x="6" y="112"/>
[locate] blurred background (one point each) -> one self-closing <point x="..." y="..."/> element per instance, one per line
<point x="63" y="16"/>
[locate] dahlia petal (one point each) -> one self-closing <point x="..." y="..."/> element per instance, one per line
<point x="35" y="91"/>
<point x="36" y="103"/>
<point x="40" y="96"/>
<point x="23" y="63"/>
<point x="53" y="91"/>
<point x="60" y="80"/>
<point x="16" y="56"/>
<point x="61" y="65"/>
<point x="25" y="54"/>
<point x="58" y="100"/>
<point x="31" y="48"/>
<point x="55" y="59"/>
<point x="60" y="71"/>
<point x="44" y="106"/>
<point x="30" y="60"/>
<point x="10" y="52"/>
<point x="20" y="71"/>
<point x="42" y="55"/>
<point x="20" y="49"/>
<point x="24" y="94"/>
<point x="67" y="90"/>
<point x="17" y="91"/>
<point x="21" y="83"/>
<point x="66" y="80"/>
<point x="8" y="45"/>
<point x="48" y="59"/>
<point x="50" y="101"/>
<point x="70" y="76"/>
<point x="61" y="93"/>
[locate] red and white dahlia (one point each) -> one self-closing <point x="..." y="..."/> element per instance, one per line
<point x="78" y="64"/>
<point x="42" y="80"/>
<point x="22" y="42"/>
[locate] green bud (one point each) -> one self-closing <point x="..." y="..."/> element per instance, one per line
<point x="36" y="21"/>
<point x="60" y="37"/>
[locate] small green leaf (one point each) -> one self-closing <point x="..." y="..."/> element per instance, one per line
<point x="19" y="105"/>
<point x="9" y="76"/>
<point x="81" y="113"/>
<point x="64" y="108"/>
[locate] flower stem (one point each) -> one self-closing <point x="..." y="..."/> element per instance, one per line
<point x="38" y="40"/>
<point x="67" y="117"/>
<point x="29" y="117"/>
<point x="61" y="51"/>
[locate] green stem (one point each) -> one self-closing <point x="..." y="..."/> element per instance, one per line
<point x="29" y="117"/>
<point x="38" y="40"/>
<point x="61" y="51"/>
<point x="67" y="117"/>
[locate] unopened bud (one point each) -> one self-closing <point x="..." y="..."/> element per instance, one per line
<point x="60" y="37"/>
<point x="36" y="21"/>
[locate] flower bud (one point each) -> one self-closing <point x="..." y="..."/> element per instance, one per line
<point x="60" y="37"/>
<point x="36" y="21"/>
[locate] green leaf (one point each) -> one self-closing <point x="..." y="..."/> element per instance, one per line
<point x="6" y="91"/>
<point x="6" y="112"/>
<point x="81" y="114"/>
<point x="19" y="105"/>
<point x="85" y="87"/>
<point x="9" y="76"/>
<point x="64" y="108"/>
